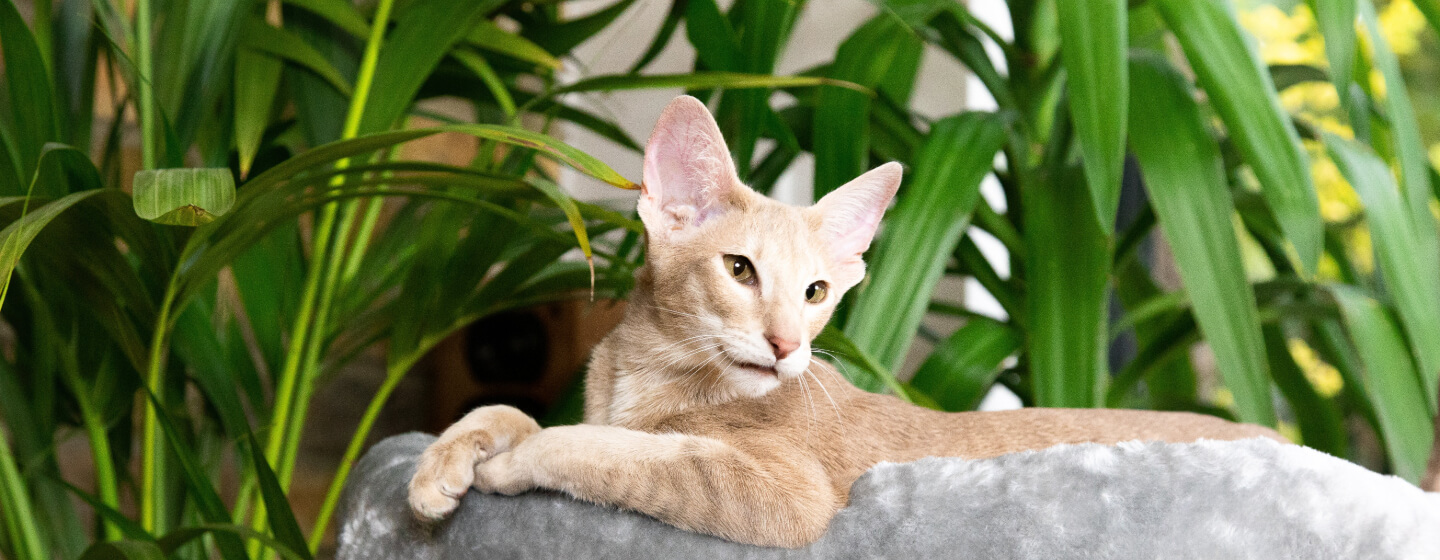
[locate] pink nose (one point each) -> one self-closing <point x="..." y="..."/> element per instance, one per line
<point x="782" y="346"/>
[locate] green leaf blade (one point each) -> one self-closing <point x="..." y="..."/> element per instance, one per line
<point x="1093" y="33"/>
<point x="1067" y="261"/>
<point x="962" y="368"/>
<point x="183" y="197"/>
<point x="1183" y="173"/>
<point x="1336" y="20"/>
<point x="921" y="233"/>
<point x="1412" y="274"/>
<point x="1391" y="380"/>
<point x="1242" y="93"/>
<point x="841" y="120"/>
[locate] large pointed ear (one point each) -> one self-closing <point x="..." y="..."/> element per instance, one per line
<point x="689" y="177"/>
<point x="851" y="213"/>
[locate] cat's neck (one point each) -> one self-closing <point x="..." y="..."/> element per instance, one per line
<point x="643" y="372"/>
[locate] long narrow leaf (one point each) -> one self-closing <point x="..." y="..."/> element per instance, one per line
<point x="339" y="12"/>
<point x="841" y="122"/>
<point x="277" y="506"/>
<point x="1093" y="36"/>
<point x="1391" y="380"/>
<point x="31" y="101"/>
<point x="1242" y="93"/>
<point x="287" y="45"/>
<point x="422" y="34"/>
<point x="257" y="80"/>
<point x="1321" y="426"/>
<point x="1412" y="274"/>
<point x="206" y="500"/>
<point x="490" y="37"/>
<point x="921" y="233"/>
<point x="703" y="80"/>
<point x="1067" y="261"/>
<point x="1336" y="20"/>
<point x="1182" y="168"/>
<point x="962" y="368"/>
<point x="833" y="343"/>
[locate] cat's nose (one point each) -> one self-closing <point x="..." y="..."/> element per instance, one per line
<point x="782" y="346"/>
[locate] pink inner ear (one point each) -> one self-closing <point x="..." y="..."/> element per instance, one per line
<point x="688" y="171"/>
<point x="852" y="213"/>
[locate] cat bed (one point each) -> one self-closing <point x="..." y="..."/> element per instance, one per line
<point x="1245" y="499"/>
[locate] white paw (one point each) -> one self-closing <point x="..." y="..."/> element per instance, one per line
<point x="444" y="474"/>
<point x="503" y="474"/>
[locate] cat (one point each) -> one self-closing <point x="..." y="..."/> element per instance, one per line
<point x="705" y="409"/>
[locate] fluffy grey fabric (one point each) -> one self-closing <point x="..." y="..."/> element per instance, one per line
<point x="1248" y="499"/>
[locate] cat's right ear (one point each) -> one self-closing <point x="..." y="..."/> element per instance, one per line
<point x="689" y="177"/>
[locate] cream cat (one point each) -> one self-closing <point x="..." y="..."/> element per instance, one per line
<point x="705" y="409"/>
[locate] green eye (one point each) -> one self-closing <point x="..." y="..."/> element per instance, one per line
<point x="740" y="269"/>
<point x="815" y="293"/>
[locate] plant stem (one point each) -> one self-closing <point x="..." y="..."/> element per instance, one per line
<point x="285" y="468"/>
<point x="395" y="372"/>
<point x="19" y="514"/>
<point x="152" y="464"/>
<point x="145" y="64"/>
<point x="105" y="482"/>
<point x="309" y="330"/>
<point x="93" y="422"/>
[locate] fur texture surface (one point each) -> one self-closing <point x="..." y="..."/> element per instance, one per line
<point x="1240" y="499"/>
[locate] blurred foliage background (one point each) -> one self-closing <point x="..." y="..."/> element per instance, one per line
<point x="1204" y="206"/>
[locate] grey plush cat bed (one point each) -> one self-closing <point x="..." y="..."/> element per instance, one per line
<point x="1247" y="499"/>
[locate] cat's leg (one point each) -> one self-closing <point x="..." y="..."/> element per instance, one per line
<point x="767" y="497"/>
<point x="447" y="467"/>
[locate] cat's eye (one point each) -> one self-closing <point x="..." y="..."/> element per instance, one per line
<point x="740" y="269"/>
<point x="815" y="293"/>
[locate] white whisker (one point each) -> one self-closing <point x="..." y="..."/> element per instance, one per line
<point x="805" y="386"/>
<point x="833" y="405"/>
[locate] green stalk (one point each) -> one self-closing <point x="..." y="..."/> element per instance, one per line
<point x="20" y="515"/>
<point x="44" y="30"/>
<point x="394" y="373"/>
<point x="362" y="239"/>
<point x="152" y="465"/>
<point x="94" y="424"/>
<point x="285" y="468"/>
<point x="152" y="468"/>
<point x="308" y="332"/>
<point x="105" y="481"/>
<point x="145" y="62"/>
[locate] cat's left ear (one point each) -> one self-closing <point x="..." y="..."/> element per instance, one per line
<point x="689" y="177"/>
<point x="852" y="212"/>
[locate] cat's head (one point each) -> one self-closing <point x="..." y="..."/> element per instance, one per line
<point x="747" y="280"/>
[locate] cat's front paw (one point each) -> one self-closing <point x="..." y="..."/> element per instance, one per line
<point x="447" y="468"/>
<point x="504" y="474"/>
<point x="444" y="473"/>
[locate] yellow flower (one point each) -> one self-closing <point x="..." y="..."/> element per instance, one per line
<point x="1362" y="253"/>
<point x="1285" y="38"/>
<point x="1324" y="377"/>
<point x="1401" y="23"/>
<point x="1338" y="201"/>
<point x="1316" y="96"/>
<point x="1289" y="430"/>
<point x="1328" y="269"/>
<point x="1334" y="126"/>
<point x="1223" y="398"/>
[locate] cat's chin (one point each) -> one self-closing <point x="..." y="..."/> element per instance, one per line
<point x="753" y="380"/>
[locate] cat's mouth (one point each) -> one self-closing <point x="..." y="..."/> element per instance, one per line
<point x="757" y="368"/>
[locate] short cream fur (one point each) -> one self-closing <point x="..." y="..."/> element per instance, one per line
<point x="705" y="408"/>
